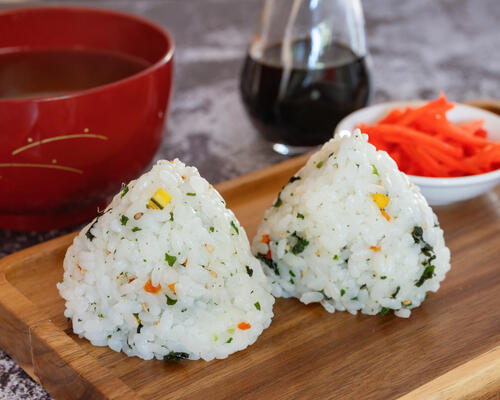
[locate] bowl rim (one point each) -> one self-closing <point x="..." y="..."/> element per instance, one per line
<point x="428" y="180"/>
<point x="163" y="60"/>
<point x="456" y="180"/>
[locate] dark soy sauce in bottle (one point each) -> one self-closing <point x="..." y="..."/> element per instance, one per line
<point x="300" y="106"/>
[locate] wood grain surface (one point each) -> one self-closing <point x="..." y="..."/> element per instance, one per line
<point x="448" y="349"/>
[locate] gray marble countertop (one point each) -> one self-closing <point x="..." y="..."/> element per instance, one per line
<point x="418" y="48"/>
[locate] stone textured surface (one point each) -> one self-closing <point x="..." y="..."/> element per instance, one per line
<point x="418" y="48"/>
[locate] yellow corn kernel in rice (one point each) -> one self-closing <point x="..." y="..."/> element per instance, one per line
<point x="381" y="200"/>
<point x="159" y="200"/>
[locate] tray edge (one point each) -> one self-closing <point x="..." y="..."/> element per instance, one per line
<point x="486" y="365"/>
<point x="474" y="379"/>
<point x="36" y="340"/>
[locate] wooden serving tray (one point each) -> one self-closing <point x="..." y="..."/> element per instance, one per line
<point x="448" y="349"/>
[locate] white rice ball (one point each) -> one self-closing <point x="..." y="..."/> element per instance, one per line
<point x="177" y="282"/>
<point x="351" y="232"/>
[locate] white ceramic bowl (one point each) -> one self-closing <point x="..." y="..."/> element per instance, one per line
<point x="439" y="191"/>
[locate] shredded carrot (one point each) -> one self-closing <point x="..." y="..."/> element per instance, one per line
<point x="148" y="287"/>
<point x="404" y="134"/>
<point x="431" y="165"/>
<point x="452" y="163"/>
<point x="268" y="255"/>
<point x="266" y="239"/>
<point x="472" y="127"/>
<point x="481" y="133"/>
<point x="392" y="117"/>
<point x="452" y="132"/>
<point x="414" y="164"/>
<point x="424" y="142"/>
<point x="375" y="248"/>
<point x="436" y="107"/>
<point x="172" y="287"/>
<point x="244" y="326"/>
<point x="133" y="279"/>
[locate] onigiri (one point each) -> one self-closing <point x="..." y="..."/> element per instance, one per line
<point x="166" y="272"/>
<point x="351" y="232"/>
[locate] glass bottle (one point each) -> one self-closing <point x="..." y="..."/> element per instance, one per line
<point x="307" y="67"/>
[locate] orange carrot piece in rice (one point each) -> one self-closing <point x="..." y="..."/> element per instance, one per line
<point x="148" y="287"/>
<point x="244" y="326"/>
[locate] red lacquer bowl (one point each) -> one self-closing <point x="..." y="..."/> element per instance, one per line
<point x="62" y="157"/>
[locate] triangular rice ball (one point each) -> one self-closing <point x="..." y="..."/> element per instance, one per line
<point x="351" y="232"/>
<point x="166" y="271"/>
